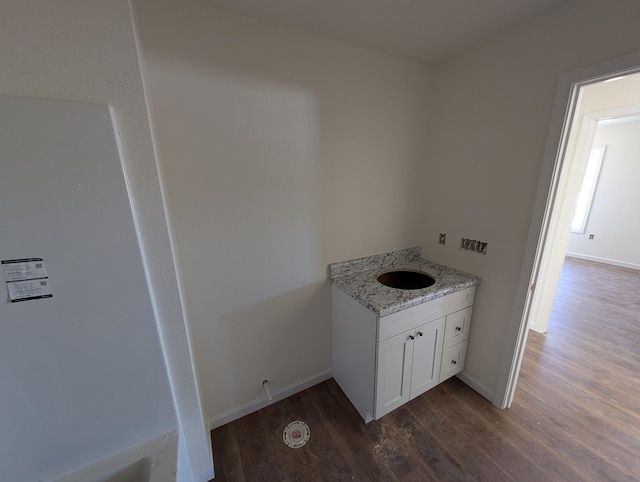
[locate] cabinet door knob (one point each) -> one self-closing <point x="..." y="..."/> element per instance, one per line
<point x="458" y="328"/>
<point x="454" y="362"/>
<point x="411" y="337"/>
<point x="420" y="333"/>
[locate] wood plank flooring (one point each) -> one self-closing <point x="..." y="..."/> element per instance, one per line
<point x="575" y="417"/>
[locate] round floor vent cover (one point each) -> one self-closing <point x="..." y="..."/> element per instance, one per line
<point x="296" y="434"/>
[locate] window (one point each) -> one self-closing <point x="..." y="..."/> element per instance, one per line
<point x="588" y="189"/>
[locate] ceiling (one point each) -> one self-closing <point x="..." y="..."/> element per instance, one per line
<point x="423" y="30"/>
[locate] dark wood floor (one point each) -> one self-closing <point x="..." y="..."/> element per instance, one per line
<point x="575" y="417"/>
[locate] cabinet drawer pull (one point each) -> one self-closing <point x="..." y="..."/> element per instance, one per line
<point x="454" y="362"/>
<point x="420" y="333"/>
<point x="458" y="328"/>
<point x="411" y="337"/>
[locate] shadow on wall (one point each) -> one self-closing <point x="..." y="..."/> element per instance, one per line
<point x="241" y="165"/>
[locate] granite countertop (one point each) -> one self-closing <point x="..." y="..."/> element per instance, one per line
<point x="357" y="278"/>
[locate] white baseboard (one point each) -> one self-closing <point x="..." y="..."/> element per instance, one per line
<point x="478" y="387"/>
<point x="537" y="329"/>
<point x="597" y="259"/>
<point x="255" y="405"/>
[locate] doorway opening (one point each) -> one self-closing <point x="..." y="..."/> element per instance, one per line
<point x="602" y="106"/>
<point x="569" y="143"/>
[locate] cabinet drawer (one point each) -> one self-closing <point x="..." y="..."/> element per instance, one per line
<point x="415" y="316"/>
<point x="457" y="328"/>
<point x="453" y="361"/>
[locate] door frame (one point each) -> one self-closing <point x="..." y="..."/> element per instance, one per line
<point x="584" y="127"/>
<point x="545" y="213"/>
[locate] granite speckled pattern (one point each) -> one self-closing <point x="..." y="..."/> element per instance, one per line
<point x="357" y="278"/>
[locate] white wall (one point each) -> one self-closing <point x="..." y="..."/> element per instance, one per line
<point x="85" y="51"/>
<point x="283" y="152"/>
<point x="603" y="96"/>
<point x="492" y="107"/>
<point x="613" y="219"/>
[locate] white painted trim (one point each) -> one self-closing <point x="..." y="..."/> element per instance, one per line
<point x="178" y="352"/>
<point x="255" y="405"/>
<point x="580" y="133"/>
<point x="597" y="259"/>
<point x="616" y="115"/>
<point x="620" y="120"/>
<point x="477" y="386"/>
<point x="515" y="341"/>
<point x="562" y="113"/>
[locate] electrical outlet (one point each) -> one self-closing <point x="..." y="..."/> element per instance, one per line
<point x="591" y="236"/>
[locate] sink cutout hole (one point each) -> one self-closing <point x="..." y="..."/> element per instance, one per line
<point x="406" y="279"/>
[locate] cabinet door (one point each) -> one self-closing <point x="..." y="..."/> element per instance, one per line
<point x="427" y="355"/>
<point x="453" y="361"/>
<point x="394" y="372"/>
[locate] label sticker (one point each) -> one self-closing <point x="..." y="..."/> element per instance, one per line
<point x="23" y="269"/>
<point x="27" y="279"/>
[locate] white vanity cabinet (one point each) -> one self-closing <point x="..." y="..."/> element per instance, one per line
<point x="383" y="362"/>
